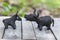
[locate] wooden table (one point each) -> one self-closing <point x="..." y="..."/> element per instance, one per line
<point x="29" y="31"/>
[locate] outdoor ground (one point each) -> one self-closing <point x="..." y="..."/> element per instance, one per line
<point x="29" y="31"/>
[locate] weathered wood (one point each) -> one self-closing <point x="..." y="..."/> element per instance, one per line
<point x="13" y="34"/>
<point x="1" y="27"/>
<point x="28" y="33"/>
<point x="10" y="33"/>
<point x="42" y="35"/>
<point x="56" y="28"/>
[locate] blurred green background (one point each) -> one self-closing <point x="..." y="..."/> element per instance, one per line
<point x="9" y="7"/>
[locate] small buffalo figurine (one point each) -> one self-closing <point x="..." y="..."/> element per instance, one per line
<point x="11" y="21"/>
<point x="45" y="21"/>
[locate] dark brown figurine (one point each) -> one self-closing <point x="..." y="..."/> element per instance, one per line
<point x="11" y="22"/>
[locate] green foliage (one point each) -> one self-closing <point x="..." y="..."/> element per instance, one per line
<point x="32" y="3"/>
<point x="5" y="13"/>
<point x="5" y="4"/>
<point x="13" y="9"/>
<point x="26" y="9"/>
<point x="37" y="1"/>
<point x="21" y="4"/>
<point x="21" y="14"/>
<point x="51" y="4"/>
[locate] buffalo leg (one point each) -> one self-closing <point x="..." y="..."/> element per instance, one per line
<point x="40" y="27"/>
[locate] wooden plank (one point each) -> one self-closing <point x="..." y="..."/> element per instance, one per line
<point x="10" y="33"/>
<point x="56" y="28"/>
<point x="13" y="34"/>
<point x="28" y="33"/>
<point x="1" y="27"/>
<point x="42" y="35"/>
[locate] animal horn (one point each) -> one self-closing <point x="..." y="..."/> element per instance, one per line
<point x="34" y="10"/>
<point x="17" y="12"/>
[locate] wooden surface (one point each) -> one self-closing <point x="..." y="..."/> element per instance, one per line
<point x="29" y="31"/>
